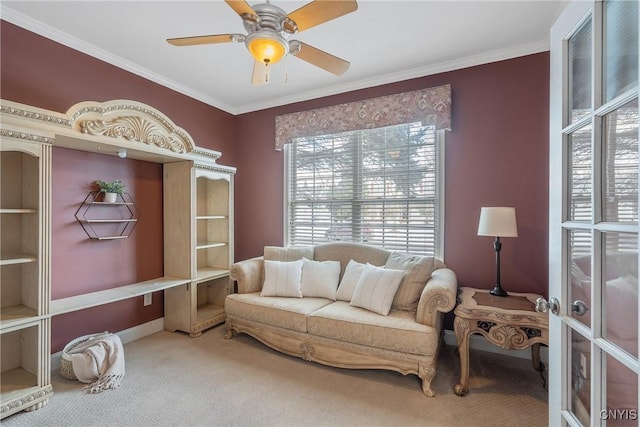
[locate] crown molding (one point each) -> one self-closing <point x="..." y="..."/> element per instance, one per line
<point x="65" y="39"/>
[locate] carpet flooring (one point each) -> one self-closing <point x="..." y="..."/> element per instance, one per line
<point x="174" y="380"/>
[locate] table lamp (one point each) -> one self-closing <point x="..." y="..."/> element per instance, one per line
<point x="498" y="222"/>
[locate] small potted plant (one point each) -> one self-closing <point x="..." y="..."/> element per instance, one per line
<point x="111" y="189"/>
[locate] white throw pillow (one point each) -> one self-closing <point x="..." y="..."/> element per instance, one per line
<point x="352" y="273"/>
<point x="320" y="278"/>
<point x="282" y="279"/>
<point x="376" y="288"/>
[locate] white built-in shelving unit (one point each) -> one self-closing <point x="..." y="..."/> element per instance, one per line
<point x="198" y="200"/>
<point x="207" y="251"/>
<point x="24" y="275"/>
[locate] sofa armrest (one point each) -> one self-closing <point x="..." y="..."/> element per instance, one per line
<point x="248" y="275"/>
<point x="438" y="296"/>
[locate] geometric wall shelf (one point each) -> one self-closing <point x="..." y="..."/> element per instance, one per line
<point x="107" y="221"/>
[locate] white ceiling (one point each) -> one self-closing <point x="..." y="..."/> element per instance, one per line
<point x="385" y="41"/>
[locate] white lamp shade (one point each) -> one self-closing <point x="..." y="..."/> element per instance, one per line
<point x="498" y="222"/>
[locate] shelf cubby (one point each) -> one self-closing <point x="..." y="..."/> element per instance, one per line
<point x="19" y="290"/>
<point x="210" y="302"/>
<point x="21" y="376"/>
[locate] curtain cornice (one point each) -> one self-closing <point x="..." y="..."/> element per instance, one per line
<point x="431" y="106"/>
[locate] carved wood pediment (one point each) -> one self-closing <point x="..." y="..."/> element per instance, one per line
<point x="143" y="132"/>
<point x="131" y="121"/>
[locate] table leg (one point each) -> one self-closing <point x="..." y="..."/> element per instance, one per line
<point x="462" y="329"/>
<point x="535" y="356"/>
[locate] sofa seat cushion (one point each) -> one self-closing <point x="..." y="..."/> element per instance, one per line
<point x="287" y="313"/>
<point x="398" y="331"/>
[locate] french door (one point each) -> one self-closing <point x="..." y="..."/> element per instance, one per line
<point x="593" y="216"/>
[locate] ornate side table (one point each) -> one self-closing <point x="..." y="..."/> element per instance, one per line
<point x="509" y="322"/>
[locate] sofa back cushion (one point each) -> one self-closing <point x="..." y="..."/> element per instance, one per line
<point x="345" y="251"/>
<point x="418" y="271"/>
<point x="290" y="253"/>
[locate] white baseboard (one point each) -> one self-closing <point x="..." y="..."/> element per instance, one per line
<point x="126" y="336"/>
<point x="478" y="342"/>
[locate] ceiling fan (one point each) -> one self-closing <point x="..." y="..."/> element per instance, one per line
<point x="268" y="27"/>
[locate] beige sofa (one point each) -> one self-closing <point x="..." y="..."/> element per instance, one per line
<point x="338" y="332"/>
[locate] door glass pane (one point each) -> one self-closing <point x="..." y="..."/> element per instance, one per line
<point x="580" y="174"/>
<point x="621" y="164"/>
<point x="580" y="271"/>
<point x="580" y="374"/>
<point x="621" y="395"/>
<point x="620" y="309"/>
<point x="620" y="47"/>
<point x="580" y="72"/>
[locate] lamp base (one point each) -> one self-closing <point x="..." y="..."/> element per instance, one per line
<point x="498" y="291"/>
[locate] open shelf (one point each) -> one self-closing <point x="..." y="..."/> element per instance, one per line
<point x="17" y="211"/>
<point x="17" y="259"/>
<point x="207" y="245"/>
<point x="98" y="203"/>
<point x="207" y="312"/>
<point x="109" y="221"/>
<point x="19" y="368"/>
<point x="16" y="314"/>
<point x="92" y="299"/>
<point x="205" y="217"/>
<point x="208" y="273"/>
<point x="16" y="381"/>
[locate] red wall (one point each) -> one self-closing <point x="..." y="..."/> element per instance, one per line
<point x="496" y="155"/>
<point x="40" y="72"/>
<point x="80" y="265"/>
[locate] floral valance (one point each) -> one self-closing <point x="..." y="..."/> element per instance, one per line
<point x="430" y="106"/>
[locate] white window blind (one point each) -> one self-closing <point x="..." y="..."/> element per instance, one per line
<point x="380" y="186"/>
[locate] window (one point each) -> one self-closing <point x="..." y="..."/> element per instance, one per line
<point x="381" y="186"/>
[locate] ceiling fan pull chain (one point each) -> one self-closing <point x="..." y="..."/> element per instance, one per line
<point x="286" y="70"/>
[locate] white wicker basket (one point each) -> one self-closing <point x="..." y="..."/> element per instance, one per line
<point x="66" y="367"/>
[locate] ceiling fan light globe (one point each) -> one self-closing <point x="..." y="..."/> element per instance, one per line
<point x="267" y="47"/>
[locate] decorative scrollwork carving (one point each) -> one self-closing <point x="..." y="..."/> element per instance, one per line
<point x="485" y="326"/>
<point x="427" y="374"/>
<point x="307" y="351"/>
<point x="532" y="332"/>
<point x="508" y="337"/>
<point x="131" y="121"/>
<point x="133" y="128"/>
<point x="440" y="301"/>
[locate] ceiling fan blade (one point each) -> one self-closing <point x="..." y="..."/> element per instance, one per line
<point x="242" y="8"/>
<point x="320" y="11"/>
<point x="261" y="73"/>
<point x="319" y="58"/>
<point x="195" y="40"/>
